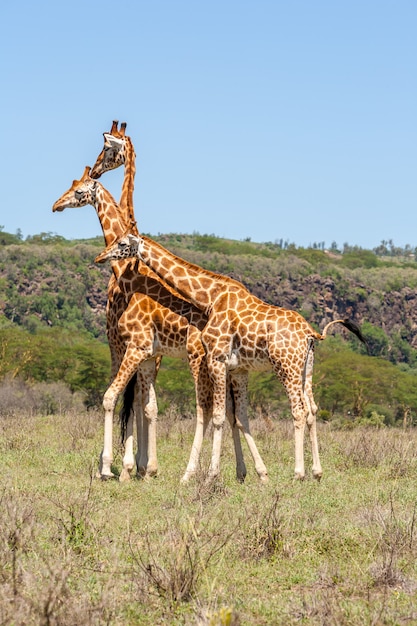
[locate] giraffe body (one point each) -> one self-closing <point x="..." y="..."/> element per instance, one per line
<point x="242" y="334"/>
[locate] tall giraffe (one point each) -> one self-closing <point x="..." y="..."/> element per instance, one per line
<point x="117" y="302"/>
<point x="155" y="322"/>
<point x="242" y="334"/>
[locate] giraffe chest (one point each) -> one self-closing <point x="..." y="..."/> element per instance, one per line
<point x="155" y="329"/>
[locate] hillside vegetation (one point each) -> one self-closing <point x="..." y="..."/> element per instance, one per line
<point x="52" y="321"/>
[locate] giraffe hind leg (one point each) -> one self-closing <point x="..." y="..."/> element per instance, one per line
<point x="239" y="385"/>
<point x="311" y="418"/>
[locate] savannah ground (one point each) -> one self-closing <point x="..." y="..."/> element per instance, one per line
<point x="75" y="550"/>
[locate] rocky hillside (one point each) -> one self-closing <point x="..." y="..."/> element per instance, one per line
<point x="47" y="281"/>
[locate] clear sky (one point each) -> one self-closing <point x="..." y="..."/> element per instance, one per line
<point x="268" y="119"/>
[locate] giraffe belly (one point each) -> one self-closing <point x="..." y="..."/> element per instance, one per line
<point x="167" y="348"/>
<point x="240" y="360"/>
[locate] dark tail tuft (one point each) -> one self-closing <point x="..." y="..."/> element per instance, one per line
<point x="128" y="397"/>
<point x="354" y="328"/>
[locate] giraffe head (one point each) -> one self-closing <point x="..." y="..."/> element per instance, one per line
<point x="113" y="154"/>
<point x="81" y="193"/>
<point x="125" y="247"/>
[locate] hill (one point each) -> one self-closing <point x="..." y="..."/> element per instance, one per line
<point x="52" y="315"/>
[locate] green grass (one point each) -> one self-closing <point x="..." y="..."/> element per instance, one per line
<point x="75" y="550"/>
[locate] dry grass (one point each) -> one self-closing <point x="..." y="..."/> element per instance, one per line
<point x="79" y="551"/>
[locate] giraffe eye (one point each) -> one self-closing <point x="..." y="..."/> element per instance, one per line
<point x="79" y="194"/>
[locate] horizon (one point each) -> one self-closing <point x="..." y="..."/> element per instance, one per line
<point x="391" y="248"/>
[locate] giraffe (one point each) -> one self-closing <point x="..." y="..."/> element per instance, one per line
<point x="119" y="147"/>
<point x="146" y="459"/>
<point x="243" y="333"/>
<point x="156" y="321"/>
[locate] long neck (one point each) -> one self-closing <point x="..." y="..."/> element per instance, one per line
<point x="126" y="198"/>
<point x="112" y="222"/>
<point x="197" y="285"/>
<point x="111" y="218"/>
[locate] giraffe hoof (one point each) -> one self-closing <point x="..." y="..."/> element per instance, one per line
<point x="124" y="476"/>
<point x="105" y="477"/>
<point x="299" y="476"/>
<point x="317" y="476"/>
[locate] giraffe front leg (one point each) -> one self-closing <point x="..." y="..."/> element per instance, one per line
<point x="106" y="457"/>
<point x="132" y="357"/>
<point x="150" y="415"/>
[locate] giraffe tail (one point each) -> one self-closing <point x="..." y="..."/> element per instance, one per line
<point x="351" y="326"/>
<point x="127" y="406"/>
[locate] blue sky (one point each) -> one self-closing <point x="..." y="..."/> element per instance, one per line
<point x="291" y="120"/>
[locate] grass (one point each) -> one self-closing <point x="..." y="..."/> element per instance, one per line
<point x="75" y="550"/>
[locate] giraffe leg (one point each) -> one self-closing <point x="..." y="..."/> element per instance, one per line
<point x="200" y="429"/>
<point x="150" y="415"/>
<point x="204" y="402"/>
<point x="128" y="462"/>
<point x="130" y="362"/>
<point x="293" y="384"/>
<point x="106" y="456"/>
<point x="299" y="412"/>
<point x="240" y="386"/>
<point x="218" y="372"/>
<point x="141" y="432"/>
<point x="127" y="418"/>
<point x="311" y="419"/>
<point x="231" y="415"/>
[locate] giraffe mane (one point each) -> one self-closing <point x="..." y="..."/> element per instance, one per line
<point x="219" y="277"/>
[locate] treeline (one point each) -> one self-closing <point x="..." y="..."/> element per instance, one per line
<point x="52" y="319"/>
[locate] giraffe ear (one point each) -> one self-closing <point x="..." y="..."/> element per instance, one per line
<point x="132" y="239"/>
<point x="114" y="142"/>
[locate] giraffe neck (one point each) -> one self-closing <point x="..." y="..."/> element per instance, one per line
<point x="199" y="286"/>
<point x="111" y="220"/>
<point x="126" y="198"/>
